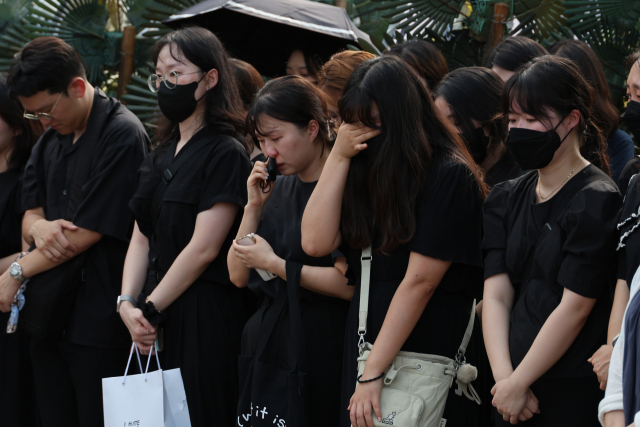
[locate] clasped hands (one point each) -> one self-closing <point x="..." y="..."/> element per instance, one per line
<point x="514" y="402"/>
<point x="50" y="239"/>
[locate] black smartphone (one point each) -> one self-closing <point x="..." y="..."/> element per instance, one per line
<point x="272" y="169"/>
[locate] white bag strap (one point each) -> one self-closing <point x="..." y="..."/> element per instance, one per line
<point x="129" y="361"/>
<point x="365" y="279"/>
<point x="146" y="372"/>
<point x="365" y="276"/>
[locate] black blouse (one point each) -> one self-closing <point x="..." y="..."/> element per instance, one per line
<point x="10" y="213"/>
<point x="280" y="225"/>
<point x="565" y="242"/>
<point x="629" y="245"/>
<point x="217" y="174"/>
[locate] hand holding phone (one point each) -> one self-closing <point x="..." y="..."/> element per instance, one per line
<point x="250" y="240"/>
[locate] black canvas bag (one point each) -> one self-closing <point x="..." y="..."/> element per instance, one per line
<point x="271" y="394"/>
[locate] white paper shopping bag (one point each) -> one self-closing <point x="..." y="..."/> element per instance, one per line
<point x="134" y="400"/>
<point x="176" y="411"/>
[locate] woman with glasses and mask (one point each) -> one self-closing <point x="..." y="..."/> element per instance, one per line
<point x="188" y="206"/>
<point x="470" y="99"/>
<point x="17" y="137"/>
<point x="549" y="241"/>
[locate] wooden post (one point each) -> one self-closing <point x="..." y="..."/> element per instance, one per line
<point x="126" y="62"/>
<point x="496" y="28"/>
<point x="342" y="4"/>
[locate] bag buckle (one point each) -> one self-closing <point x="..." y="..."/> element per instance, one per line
<point x="459" y="360"/>
<point x="361" y="343"/>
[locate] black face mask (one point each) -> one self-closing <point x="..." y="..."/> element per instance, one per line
<point x="179" y="103"/>
<point x="534" y="149"/>
<point x="477" y="142"/>
<point x="631" y="118"/>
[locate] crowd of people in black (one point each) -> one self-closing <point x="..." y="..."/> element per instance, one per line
<point x="287" y="245"/>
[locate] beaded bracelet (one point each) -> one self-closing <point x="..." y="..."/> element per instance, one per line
<point x="371" y="380"/>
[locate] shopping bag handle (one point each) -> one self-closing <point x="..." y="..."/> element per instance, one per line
<point x="129" y="362"/>
<point x="146" y="372"/>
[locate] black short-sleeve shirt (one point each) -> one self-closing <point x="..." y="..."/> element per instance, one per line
<point x="280" y="225"/>
<point x="448" y="228"/>
<point x="217" y="173"/>
<point x="629" y="243"/>
<point x="119" y="150"/>
<point x="565" y="242"/>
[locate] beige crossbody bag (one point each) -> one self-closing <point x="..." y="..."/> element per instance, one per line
<point x="415" y="387"/>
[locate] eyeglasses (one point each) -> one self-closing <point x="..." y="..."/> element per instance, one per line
<point x="38" y="116"/>
<point x="170" y="80"/>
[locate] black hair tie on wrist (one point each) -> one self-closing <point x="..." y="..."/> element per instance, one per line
<point x="371" y="380"/>
<point x="149" y="311"/>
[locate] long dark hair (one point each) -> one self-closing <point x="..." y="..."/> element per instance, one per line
<point x="604" y="113"/>
<point x="424" y="58"/>
<point x="223" y="106"/>
<point x="30" y="130"/>
<point x="554" y="83"/>
<point x="291" y="99"/>
<point x="385" y="179"/>
<point x="474" y="93"/>
<point x="513" y="52"/>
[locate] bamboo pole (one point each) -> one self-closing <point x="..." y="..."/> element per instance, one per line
<point x="126" y="62"/>
<point x="496" y="28"/>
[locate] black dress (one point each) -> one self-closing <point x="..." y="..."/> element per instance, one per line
<point x="565" y="242"/>
<point x="449" y="228"/>
<point x="17" y="393"/>
<point x="204" y="325"/>
<point x="323" y="318"/>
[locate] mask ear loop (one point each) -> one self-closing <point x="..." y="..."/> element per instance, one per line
<point x="205" y="92"/>
<point x="570" y="130"/>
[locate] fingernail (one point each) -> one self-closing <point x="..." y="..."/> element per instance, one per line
<point x="379" y="418"/>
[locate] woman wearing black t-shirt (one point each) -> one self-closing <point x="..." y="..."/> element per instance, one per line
<point x="17" y="137"/>
<point x="291" y="122"/>
<point x="550" y="244"/>
<point x="470" y="99"/>
<point x="185" y="221"/>
<point x="400" y="179"/>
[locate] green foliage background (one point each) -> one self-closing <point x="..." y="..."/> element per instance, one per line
<point x="458" y="27"/>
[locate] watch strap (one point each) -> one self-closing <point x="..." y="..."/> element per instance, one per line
<point x="129" y="298"/>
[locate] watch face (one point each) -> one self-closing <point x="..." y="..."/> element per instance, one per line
<point x="15" y="269"/>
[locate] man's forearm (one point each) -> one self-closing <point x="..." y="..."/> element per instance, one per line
<point x="36" y="262"/>
<point x="29" y="218"/>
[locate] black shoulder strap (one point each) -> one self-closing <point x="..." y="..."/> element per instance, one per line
<point x="189" y="151"/>
<point x="86" y="149"/>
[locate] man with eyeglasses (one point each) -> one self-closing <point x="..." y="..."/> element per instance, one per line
<point x="76" y="189"/>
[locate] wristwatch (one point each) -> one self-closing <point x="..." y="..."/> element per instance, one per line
<point x="15" y="271"/>
<point x="122" y="298"/>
